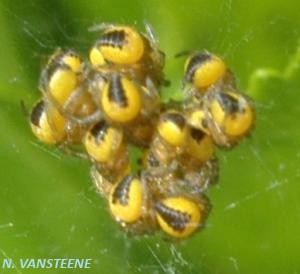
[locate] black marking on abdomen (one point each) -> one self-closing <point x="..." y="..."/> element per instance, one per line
<point x="37" y="112"/>
<point x="99" y="131"/>
<point x="229" y="103"/>
<point x="115" y="39"/>
<point x="177" y="118"/>
<point x="48" y="73"/>
<point x="116" y="91"/>
<point x="197" y="134"/>
<point x="121" y="192"/>
<point x="176" y="219"/>
<point x="195" y="62"/>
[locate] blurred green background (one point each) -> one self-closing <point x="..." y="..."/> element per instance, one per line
<point x="48" y="207"/>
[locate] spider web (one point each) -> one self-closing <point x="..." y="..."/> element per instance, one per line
<point x="50" y="209"/>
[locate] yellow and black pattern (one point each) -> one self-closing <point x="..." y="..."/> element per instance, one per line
<point x="113" y="101"/>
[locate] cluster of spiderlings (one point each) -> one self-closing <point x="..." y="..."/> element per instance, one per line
<point x="113" y="101"/>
